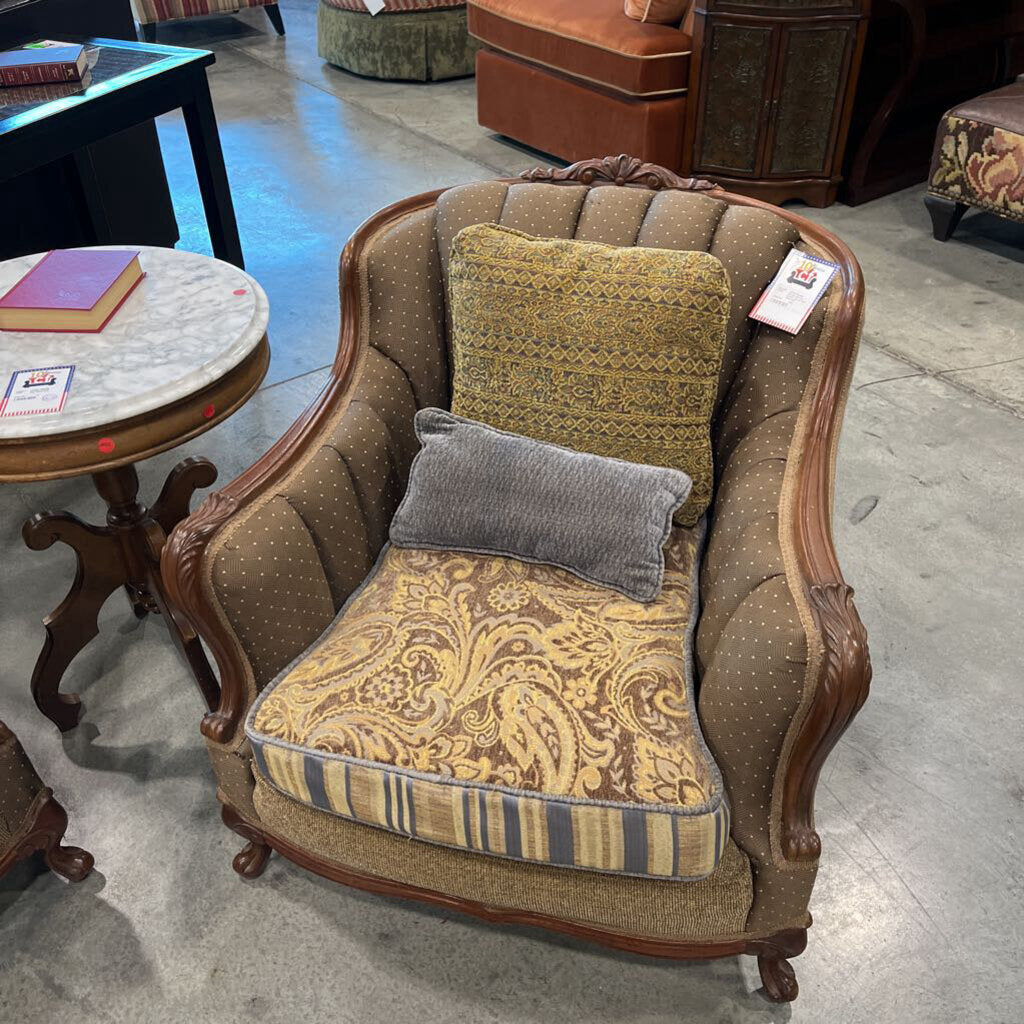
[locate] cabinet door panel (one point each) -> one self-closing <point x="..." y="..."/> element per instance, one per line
<point x="808" y="93"/>
<point x="735" y="96"/>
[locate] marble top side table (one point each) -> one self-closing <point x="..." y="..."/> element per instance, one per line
<point x="187" y="349"/>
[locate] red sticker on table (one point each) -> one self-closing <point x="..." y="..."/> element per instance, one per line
<point x="240" y="291"/>
<point x="106" y="445"/>
<point x="209" y="411"/>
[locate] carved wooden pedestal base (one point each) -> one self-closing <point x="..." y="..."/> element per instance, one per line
<point x="124" y="553"/>
<point x="49" y="823"/>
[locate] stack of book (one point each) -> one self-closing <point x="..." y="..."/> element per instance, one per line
<point x="43" y="64"/>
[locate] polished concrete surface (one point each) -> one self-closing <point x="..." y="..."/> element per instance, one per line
<point x="920" y="899"/>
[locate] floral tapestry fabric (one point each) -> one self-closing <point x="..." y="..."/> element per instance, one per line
<point x="980" y="165"/>
<point x="612" y="350"/>
<point x="509" y="708"/>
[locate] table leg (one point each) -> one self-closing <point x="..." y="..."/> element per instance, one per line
<point x="203" y="137"/>
<point x="85" y="188"/>
<point x="124" y="553"/>
<point x="73" y="623"/>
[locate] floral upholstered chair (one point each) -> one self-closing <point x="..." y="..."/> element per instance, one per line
<point x="694" y="850"/>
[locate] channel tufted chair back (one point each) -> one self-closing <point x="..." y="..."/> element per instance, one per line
<point x="263" y="567"/>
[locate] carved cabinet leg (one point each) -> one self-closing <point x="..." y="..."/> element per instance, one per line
<point x="777" y="974"/>
<point x="251" y="860"/>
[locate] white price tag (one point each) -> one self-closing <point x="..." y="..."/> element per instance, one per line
<point x="374" y="6"/>
<point x="35" y="392"/>
<point x="798" y="286"/>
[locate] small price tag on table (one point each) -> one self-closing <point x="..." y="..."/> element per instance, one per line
<point x="35" y="392"/>
<point x="374" y="6"/>
<point x="798" y="286"/>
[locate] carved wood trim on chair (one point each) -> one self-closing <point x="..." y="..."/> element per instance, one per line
<point x="617" y="170"/>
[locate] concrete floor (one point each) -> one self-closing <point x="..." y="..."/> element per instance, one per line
<point x="920" y="899"/>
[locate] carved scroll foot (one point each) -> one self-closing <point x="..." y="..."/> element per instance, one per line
<point x="251" y="861"/>
<point x="773" y="953"/>
<point x="778" y="978"/>
<point x="49" y="823"/>
<point x="72" y="862"/>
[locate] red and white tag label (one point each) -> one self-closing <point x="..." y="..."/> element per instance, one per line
<point x="35" y="392"/>
<point x="798" y="286"/>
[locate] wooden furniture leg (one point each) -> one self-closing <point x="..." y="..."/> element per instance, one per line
<point x="274" y="14"/>
<point x="945" y="214"/>
<point x="208" y="157"/>
<point x="149" y="32"/>
<point x="48" y="825"/>
<point x="124" y="553"/>
<point x="251" y="861"/>
<point x="777" y="974"/>
<point x="72" y="624"/>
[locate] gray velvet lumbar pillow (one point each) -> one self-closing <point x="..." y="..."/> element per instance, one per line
<point x="476" y="488"/>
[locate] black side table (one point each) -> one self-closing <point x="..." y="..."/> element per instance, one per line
<point x="129" y="83"/>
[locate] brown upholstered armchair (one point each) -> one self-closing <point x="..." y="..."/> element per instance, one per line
<point x="31" y="820"/>
<point x="264" y="565"/>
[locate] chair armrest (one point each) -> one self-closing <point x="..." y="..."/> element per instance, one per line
<point x="783" y="651"/>
<point x="262" y="566"/>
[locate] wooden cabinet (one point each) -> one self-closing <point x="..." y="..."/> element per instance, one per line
<point x="772" y="90"/>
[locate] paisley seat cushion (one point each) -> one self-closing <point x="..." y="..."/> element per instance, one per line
<point x="506" y="708"/>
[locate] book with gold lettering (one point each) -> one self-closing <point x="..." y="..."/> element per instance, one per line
<point x="71" y="290"/>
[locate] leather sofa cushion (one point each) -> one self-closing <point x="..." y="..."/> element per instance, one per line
<point x="594" y="41"/>
<point x="1001" y="108"/>
<point x="506" y="708"/>
<point x="660" y="12"/>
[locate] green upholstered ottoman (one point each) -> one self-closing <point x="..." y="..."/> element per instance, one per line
<point x="422" y="40"/>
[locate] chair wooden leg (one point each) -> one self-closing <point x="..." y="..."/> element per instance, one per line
<point x="251" y="860"/>
<point x="274" y="14"/>
<point x="46" y="832"/>
<point x="945" y="215"/>
<point x="777" y="974"/>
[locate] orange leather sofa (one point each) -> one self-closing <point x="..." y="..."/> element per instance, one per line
<point x="573" y="78"/>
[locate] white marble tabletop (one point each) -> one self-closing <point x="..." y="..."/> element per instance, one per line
<point x="189" y="321"/>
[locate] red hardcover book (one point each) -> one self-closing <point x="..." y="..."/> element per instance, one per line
<point x="41" y="65"/>
<point x="71" y="290"/>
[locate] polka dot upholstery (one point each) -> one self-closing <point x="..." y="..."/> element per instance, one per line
<point x="19" y="785"/>
<point x="288" y="563"/>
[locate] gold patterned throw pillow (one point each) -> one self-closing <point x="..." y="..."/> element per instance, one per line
<point x="605" y="349"/>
